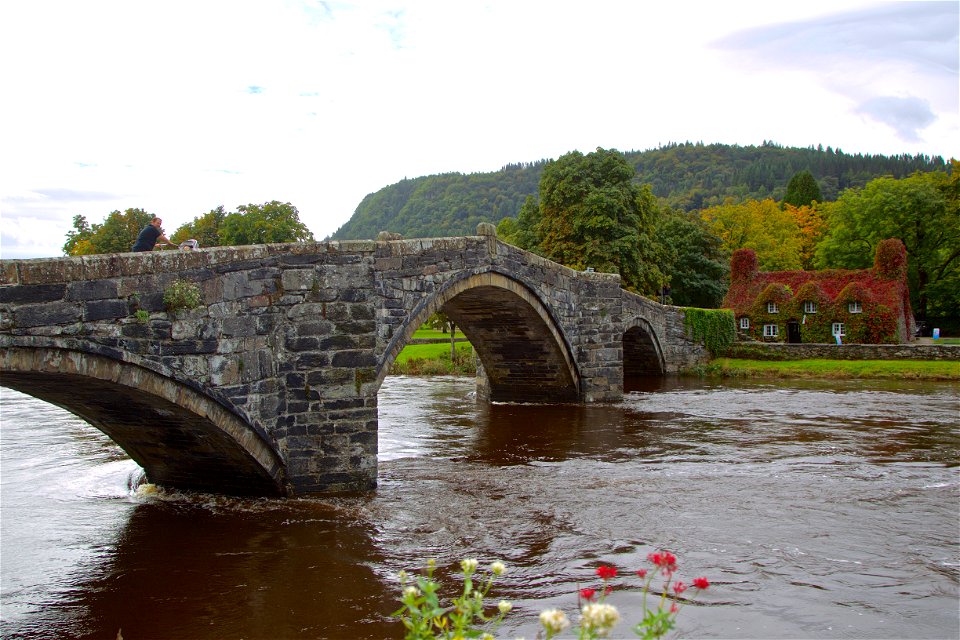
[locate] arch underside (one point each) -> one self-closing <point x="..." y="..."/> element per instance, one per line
<point x="522" y="354"/>
<point x="641" y="354"/>
<point x="181" y="439"/>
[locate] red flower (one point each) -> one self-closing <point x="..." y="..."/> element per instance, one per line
<point x="701" y="583"/>
<point x="608" y="590"/>
<point x="642" y="573"/>
<point x="606" y="573"/>
<point x="665" y="561"/>
<point x="674" y="608"/>
<point x="587" y="594"/>
<point x="679" y="587"/>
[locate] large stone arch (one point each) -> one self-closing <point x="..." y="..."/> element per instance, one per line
<point x="642" y="352"/>
<point x="519" y="343"/>
<point x="181" y="438"/>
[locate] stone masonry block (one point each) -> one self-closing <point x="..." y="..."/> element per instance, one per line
<point x="300" y="279"/>
<point x="92" y="290"/>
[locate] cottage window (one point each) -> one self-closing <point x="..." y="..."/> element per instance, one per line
<point x="838" y="329"/>
<point x="744" y="322"/>
<point x="855" y="307"/>
<point x="771" y="331"/>
<point x="772" y="307"/>
<point x="809" y="307"/>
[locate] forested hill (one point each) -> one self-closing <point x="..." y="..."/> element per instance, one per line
<point x="687" y="176"/>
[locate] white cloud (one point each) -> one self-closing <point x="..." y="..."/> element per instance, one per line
<point x="182" y="106"/>
<point x="896" y="62"/>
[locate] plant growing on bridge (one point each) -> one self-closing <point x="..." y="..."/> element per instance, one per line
<point x="182" y="295"/>
<point x="714" y="326"/>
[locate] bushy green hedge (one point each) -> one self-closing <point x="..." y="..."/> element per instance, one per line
<point x="715" y="327"/>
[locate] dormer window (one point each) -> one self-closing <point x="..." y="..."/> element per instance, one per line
<point x="772" y="307"/>
<point x="809" y="307"/>
<point x="744" y="322"/>
<point x="855" y="307"/>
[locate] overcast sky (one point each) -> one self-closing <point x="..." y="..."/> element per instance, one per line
<point x="177" y="107"/>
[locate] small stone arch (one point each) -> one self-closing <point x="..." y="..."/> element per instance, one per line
<point x="521" y="346"/>
<point x="182" y="438"/>
<point x="642" y="352"/>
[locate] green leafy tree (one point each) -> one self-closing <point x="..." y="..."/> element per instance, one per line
<point x="204" y="229"/>
<point x="920" y="210"/>
<point x="693" y="261"/>
<point x="524" y="230"/>
<point x="802" y="190"/>
<point x="592" y="214"/>
<point x="115" y="235"/>
<point x="272" y="221"/>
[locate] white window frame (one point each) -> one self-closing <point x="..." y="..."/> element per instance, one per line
<point x="855" y="307"/>
<point x="838" y="329"/>
<point x="771" y="331"/>
<point x="810" y="307"/>
<point x="744" y="322"/>
<point x="772" y="307"/>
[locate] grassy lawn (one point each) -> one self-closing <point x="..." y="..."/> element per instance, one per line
<point x="424" y="334"/>
<point x="433" y="351"/>
<point x="434" y="359"/>
<point x="821" y="368"/>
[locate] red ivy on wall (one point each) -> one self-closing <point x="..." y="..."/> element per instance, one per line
<point x="883" y="315"/>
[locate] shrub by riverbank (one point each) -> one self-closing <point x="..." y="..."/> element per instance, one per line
<point x="830" y="369"/>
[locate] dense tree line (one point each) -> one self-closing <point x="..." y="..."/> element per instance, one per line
<point x="590" y="213"/>
<point x="685" y="177"/>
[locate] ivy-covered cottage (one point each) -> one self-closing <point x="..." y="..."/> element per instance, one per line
<point x="858" y="306"/>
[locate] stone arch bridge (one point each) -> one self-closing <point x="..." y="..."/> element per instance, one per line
<point x="270" y="387"/>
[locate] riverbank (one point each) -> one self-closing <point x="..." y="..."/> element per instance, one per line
<point x="434" y="358"/>
<point x="821" y="368"/>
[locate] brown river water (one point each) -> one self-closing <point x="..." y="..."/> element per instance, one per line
<point x="816" y="510"/>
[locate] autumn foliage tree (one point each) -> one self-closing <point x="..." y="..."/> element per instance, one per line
<point x="759" y="225"/>
<point x="811" y="226"/>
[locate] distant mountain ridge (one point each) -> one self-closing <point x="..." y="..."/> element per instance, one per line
<point x="685" y="176"/>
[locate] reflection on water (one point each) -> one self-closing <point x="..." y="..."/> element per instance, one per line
<point x="817" y="511"/>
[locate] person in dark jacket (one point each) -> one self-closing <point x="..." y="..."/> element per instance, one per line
<point x="150" y="235"/>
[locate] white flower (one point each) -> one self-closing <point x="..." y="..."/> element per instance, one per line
<point x="410" y="592"/>
<point x="554" y="620"/>
<point x="504" y="606"/>
<point x="469" y="566"/>
<point x="600" y="617"/>
<point x="498" y="568"/>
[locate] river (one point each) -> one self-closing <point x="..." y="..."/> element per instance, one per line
<point x="816" y="510"/>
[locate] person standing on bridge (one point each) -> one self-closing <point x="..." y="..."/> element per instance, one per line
<point x="150" y="235"/>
